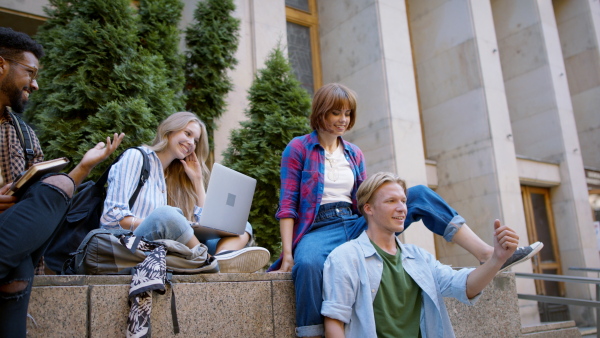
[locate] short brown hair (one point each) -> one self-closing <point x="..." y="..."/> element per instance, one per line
<point x="374" y="182"/>
<point x="330" y="97"/>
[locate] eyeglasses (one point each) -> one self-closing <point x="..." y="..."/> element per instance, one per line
<point x="33" y="71"/>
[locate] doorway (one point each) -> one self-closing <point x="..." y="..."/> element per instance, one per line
<point x="541" y="227"/>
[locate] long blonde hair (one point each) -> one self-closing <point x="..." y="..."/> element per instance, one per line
<point x="180" y="190"/>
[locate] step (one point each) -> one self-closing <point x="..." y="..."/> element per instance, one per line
<point x="224" y="305"/>
<point x="565" y="329"/>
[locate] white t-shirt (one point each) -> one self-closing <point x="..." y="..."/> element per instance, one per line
<point x="339" y="178"/>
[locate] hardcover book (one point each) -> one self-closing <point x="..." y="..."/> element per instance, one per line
<point x="34" y="173"/>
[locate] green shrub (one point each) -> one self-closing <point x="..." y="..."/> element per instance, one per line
<point x="96" y="80"/>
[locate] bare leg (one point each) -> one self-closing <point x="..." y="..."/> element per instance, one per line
<point x="233" y="243"/>
<point x="468" y="240"/>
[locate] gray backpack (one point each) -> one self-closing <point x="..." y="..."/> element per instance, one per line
<point x="103" y="252"/>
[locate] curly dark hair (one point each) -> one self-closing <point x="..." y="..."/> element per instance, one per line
<point x="13" y="44"/>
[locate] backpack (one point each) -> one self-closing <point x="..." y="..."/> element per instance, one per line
<point x="84" y="215"/>
<point x="24" y="138"/>
<point x="112" y="252"/>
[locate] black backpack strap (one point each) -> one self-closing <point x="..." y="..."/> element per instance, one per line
<point x="173" y="303"/>
<point x="24" y="137"/>
<point x="144" y="174"/>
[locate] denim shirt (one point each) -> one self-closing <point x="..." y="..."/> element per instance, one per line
<point x="351" y="279"/>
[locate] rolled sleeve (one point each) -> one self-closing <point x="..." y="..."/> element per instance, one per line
<point x="121" y="186"/>
<point x="339" y="287"/>
<point x="453" y="283"/>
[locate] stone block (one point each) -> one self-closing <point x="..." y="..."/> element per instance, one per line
<point x="58" y="312"/>
<point x="108" y="310"/>
<point x="284" y="309"/>
<point x="496" y="314"/>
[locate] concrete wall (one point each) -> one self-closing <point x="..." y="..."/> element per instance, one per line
<point x="543" y="123"/>
<point x="466" y="122"/>
<point x="578" y="23"/>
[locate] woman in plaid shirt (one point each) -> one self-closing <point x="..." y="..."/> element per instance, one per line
<point x="320" y="174"/>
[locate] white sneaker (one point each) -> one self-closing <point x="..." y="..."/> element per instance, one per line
<point x="245" y="260"/>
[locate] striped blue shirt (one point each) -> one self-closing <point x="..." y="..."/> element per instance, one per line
<point x="122" y="181"/>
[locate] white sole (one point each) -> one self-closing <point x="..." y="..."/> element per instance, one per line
<point x="246" y="260"/>
<point x="537" y="246"/>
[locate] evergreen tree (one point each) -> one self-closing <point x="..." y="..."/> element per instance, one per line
<point x="159" y="34"/>
<point x="96" y="80"/>
<point x="278" y="111"/>
<point x="212" y="41"/>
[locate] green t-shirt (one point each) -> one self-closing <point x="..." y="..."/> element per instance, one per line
<point x="397" y="305"/>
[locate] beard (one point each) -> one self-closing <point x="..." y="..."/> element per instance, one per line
<point x="14" y="94"/>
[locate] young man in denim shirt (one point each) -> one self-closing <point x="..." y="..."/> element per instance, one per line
<point x="377" y="286"/>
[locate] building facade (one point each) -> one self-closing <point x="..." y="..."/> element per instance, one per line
<point x="492" y="103"/>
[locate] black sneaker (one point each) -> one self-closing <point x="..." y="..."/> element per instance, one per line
<point x="244" y="260"/>
<point x="521" y="255"/>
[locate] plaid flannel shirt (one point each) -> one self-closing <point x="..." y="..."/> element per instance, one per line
<point x="303" y="182"/>
<point x="12" y="157"/>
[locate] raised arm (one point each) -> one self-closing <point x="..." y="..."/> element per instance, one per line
<point x="95" y="155"/>
<point x="506" y="241"/>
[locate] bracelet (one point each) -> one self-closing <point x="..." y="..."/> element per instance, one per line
<point x="131" y="224"/>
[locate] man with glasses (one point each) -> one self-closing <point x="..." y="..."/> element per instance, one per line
<point x="27" y="225"/>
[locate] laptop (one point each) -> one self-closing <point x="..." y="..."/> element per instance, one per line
<point x="227" y="204"/>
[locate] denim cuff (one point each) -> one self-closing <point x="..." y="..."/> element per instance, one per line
<point x="310" y="330"/>
<point x="455" y="223"/>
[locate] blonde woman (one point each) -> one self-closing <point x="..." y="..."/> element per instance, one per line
<point x="174" y="194"/>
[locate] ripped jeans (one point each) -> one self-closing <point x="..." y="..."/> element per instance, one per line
<point x="25" y="231"/>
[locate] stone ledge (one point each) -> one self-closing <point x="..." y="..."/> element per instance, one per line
<point x="225" y="305"/>
<point x="78" y="280"/>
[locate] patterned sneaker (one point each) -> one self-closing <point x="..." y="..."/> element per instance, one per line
<point x="521" y="255"/>
<point x="244" y="260"/>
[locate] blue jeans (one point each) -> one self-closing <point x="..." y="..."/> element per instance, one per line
<point x="333" y="226"/>
<point x="168" y="222"/>
<point x="26" y="229"/>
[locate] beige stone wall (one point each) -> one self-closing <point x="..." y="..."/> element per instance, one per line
<point x="455" y="91"/>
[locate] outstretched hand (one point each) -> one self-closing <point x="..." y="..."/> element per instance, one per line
<point x="101" y="151"/>
<point x="92" y="157"/>
<point x="506" y="241"/>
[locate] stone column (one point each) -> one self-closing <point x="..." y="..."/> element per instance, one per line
<point x="262" y="27"/>
<point x="467" y="124"/>
<point x="366" y="46"/>
<point x="543" y="123"/>
<point x="579" y="32"/>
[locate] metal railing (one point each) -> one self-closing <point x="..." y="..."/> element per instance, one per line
<point x="564" y="300"/>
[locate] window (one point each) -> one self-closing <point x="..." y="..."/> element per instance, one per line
<point x="20" y="21"/>
<point x="303" y="42"/>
